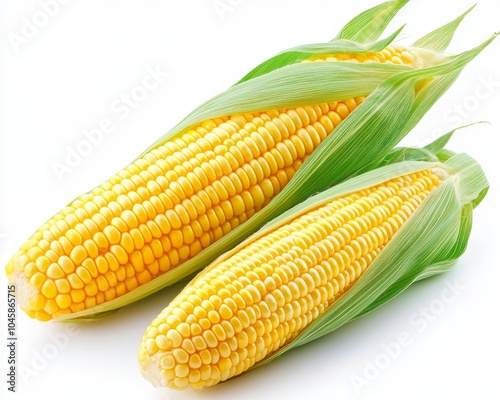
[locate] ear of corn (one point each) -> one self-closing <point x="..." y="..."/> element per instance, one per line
<point x="186" y="199"/>
<point x="321" y="264"/>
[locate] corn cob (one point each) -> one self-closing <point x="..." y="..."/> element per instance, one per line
<point x="258" y="299"/>
<point x="207" y="178"/>
<point x="171" y="203"/>
<point x="240" y="310"/>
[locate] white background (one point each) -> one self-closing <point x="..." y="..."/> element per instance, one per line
<point x="67" y="77"/>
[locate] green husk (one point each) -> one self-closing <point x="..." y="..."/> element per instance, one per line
<point x="434" y="151"/>
<point x="370" y="24"/>
<point x="359" y="35"/>
<point x="440" y="39"/>
<point x="394" y="107"/>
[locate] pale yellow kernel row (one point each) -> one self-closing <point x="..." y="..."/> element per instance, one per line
<point x="390" y="55"/>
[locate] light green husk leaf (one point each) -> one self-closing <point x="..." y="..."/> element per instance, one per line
<point x="438" y="145"/>
<point x="427" y="244"/>
<point x="304" y="52"/>
<point x="370" y="24"/>
<point x="434" y="151"/>
<point x="358" y="36"/>
<point x="291" y="86"/>
<point x="440" y="39"/>
<point x="355" y="143"/>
